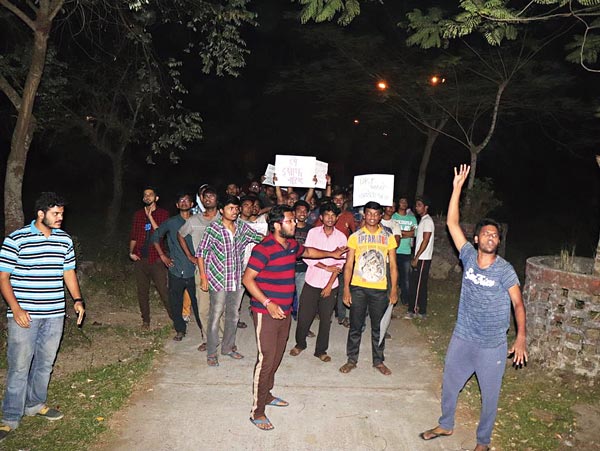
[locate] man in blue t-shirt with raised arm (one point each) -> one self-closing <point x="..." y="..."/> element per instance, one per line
<point x="478" y="344"/>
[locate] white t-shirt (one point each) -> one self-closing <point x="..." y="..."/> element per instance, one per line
<point x="393" y="225"/>
<point x="425" y="225"/>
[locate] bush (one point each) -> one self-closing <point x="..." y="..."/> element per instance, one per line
<point x="479" y="201"/>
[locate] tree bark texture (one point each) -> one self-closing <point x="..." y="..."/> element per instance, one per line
<point x="22" y="135"/>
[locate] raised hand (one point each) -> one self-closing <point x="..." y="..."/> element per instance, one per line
<point x="460" y="175"/>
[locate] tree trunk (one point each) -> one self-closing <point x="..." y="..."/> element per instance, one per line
<point x="473" y="164"/>
<point x="597" y="258"/>
<point x="432" y="136"/>
<point x="22" y="135"/>
<point x="114" y="207"/>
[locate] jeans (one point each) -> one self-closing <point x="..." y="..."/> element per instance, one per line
<point x="228" y="302"/>
<point x="177" y="285"/>
<point x="30" y="355"/>
<point x="403" y="263"/>
<point x="340" y="306"/>
<point x="376" y="302"/>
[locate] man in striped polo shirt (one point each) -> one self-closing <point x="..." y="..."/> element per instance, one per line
<point x="270" y="279"/>
<point x="34" y="262"/>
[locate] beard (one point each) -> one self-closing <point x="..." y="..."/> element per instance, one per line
<point x="50" y="225"/>
<point x="285" y="234"/>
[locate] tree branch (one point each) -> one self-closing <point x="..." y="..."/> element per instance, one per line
<point x="19" y="13"/>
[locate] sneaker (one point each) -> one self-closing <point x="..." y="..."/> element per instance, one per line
<point x="49" y="414"/>
<point x="409" y="316"/>
<point x="421" y="316"/>
<point x="4" y="431"/>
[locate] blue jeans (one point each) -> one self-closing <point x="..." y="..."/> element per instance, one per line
<point x="30" y="355"/>
<point x="227" y="302"/>
<point x="376" y="302"/>
<point x="340" y="306"/>
<point x="403" y="263"/>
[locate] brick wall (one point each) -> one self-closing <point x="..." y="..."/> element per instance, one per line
<point x="563" y="315"/>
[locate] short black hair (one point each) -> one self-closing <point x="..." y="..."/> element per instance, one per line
<point x="150" y="187"/>
<point x="229" y="200"/>
<point x="425" y="199"/>
<point x="329" y="206"/>
<point x="248" y="199"/>
<point x="338" y="192"/>
<point x="277" y="214"/>
<point x="182" y="193"/>
<point x="373" y="206"/>
<point x="47" y="200"/>
<point x="485" y="222"/>
<point x="209" y="189"/>
<point x="301" y="203"/>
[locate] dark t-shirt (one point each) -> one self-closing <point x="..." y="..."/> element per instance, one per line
<point x="300" y="236"/>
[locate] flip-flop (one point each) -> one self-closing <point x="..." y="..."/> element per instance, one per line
<point x="434" y="434"/>
<point x="260" y="421"/>
<point x="235" y="355"/>
<point x="347" y="367"/>
<point x="278" y="402"/>
<point x="212" y="360"/>
<point x="383" y="369"/>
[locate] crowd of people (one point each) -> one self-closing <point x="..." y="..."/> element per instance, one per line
<point x="292" y="254"/>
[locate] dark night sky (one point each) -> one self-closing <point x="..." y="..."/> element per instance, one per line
<point x="550" y="193"/>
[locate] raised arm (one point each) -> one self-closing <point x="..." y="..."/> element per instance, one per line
<point x="452" y="221"/>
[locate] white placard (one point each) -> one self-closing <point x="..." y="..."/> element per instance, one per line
<point x="373" y="188"/>
<point x="269" y="175"/>
<point x="294" y="170"/>
<point x="321" y="173"/>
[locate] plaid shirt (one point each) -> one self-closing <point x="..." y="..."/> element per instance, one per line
<point x="141" y="231"/>
<point x="223" y="256"/>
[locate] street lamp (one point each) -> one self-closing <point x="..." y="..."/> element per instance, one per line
<point x="382" y="85"/>
<point x="436" y="80"/>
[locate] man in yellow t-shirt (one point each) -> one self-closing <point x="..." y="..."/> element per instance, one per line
<point x="365" y="284"/>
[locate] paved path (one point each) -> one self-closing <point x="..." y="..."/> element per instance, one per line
<point x="194" y="407"/>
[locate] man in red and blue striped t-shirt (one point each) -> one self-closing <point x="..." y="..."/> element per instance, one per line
<point x="270" y="279"/>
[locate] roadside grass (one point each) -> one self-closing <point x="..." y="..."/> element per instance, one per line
<point x="535" y="409"/>
<point x="88" y="399"/>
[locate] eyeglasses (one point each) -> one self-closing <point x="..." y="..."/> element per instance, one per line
<point x="294" y="221"/>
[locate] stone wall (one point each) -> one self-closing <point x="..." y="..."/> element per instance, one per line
<point x="563" y="315"/>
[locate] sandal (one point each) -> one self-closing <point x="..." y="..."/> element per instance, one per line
<point x="346" y="323"/>
<point x="324" y="358"/>
<point x="212" y="360"/>
<point x="258" y="422"/>
<point x="347" y="367"/>
<point x="235" y="355"/>
<point x="295" y="351"/>
<point x="435" y="433"/>
<point x="202" y="347"/>
<point x="383" y="369"/>
<point x="278" y="402"/>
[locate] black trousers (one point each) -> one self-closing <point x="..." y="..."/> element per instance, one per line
<point x="312" y="303"/>
<point x="417" y="302"/>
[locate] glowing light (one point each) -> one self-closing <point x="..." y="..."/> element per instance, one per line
<point x="436" y="79"/>
<point x="382" y="85"/>
<point x="356" y="121"/>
